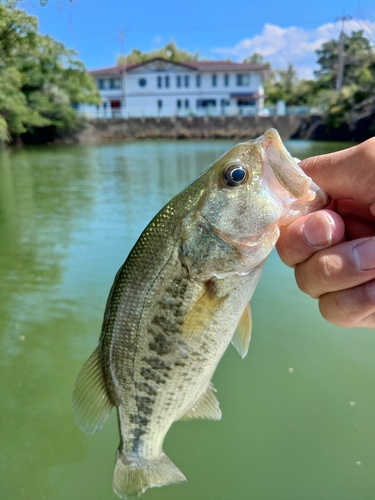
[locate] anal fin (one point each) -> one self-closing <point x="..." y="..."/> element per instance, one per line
<point x="242" y="335"/>
<point x="206" y="407"/>
<point x="91" y="403"/>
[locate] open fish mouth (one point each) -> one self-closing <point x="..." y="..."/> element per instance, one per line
<point x="304" y="195"/>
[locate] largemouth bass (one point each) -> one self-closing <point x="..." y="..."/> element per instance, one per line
<point x="181" y="297"/>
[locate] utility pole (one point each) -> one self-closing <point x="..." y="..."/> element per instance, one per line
<point x="340" y="65"/>
<point x="124" y="107"/>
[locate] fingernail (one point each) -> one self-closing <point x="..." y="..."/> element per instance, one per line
<point x="317" y="230"/>
<point x="364" y="255"/>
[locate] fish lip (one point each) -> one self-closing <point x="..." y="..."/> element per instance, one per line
<point x="305" y="196"/>
<point x="285" y="168"/>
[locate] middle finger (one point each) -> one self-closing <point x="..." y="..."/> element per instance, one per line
<point x="341" y="266"/>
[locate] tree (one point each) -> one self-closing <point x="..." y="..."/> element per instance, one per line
<point x="255" y="58"/>
<point x="170" y="51"/>
<point x="357" y="95"/>
<point x="282" y="85"/>
<point x="356" y="53"/>
<point x="40" y="79"/>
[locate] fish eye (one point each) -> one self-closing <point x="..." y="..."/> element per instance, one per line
<point x="235" y="175"/>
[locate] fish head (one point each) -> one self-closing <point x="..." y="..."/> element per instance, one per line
<point x="252" y="190"/>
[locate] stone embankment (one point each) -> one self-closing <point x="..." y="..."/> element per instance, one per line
<point x="208" y="127"/>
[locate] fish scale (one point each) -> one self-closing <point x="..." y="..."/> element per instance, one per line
<point x="180" y="298"/>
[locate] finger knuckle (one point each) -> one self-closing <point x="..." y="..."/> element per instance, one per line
<point x="347" y="308"/>
<point x="327" y="268"/>
<point x="316" y="276"/>
<point x="334" y="309"/>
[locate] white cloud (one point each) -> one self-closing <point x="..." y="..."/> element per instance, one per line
<point x="281" y="46"/>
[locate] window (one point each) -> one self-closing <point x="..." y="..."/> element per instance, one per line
<point x="159" y="82"/>
<point x="214" y="80"/>
<point x="178" y="81"/>
<point x="114" y="83"/>
<point x="142" y="82"/>
<point x="166" y="82"/>
<point x="160" y="104"/>
<point x="198" y="80"/>
<point x="226" y="80"/>
<point x="186" y="79"/>
<point x="103" y="83"/>
<point x="205" y="103"/>
<point x="246" y="102"/>
<point x="243" y="80"/>
<point x="178" y="103"/>
<point x="187" y="103"/>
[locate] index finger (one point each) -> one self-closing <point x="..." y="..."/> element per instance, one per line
<point x="349" y="173"/>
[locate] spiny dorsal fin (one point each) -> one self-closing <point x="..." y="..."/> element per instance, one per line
<point x="242" y="335"/>
<point x="200" y="315"/>
<point x="91" y="404"/>
<point x="207" y="406"/>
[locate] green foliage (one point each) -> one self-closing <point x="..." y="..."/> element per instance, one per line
<point x="255" y="58"/>
<point x="170" y="51"/>
<point x="357" y="95"/>
<point x="40" y="79"/>
<point x="357" y="53"/>
<point x="17" y="31"/>
<point x="355" y="98"/>
<point x="282" y="85"/>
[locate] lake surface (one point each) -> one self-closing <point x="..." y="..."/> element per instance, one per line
<point x="298" y="412"/>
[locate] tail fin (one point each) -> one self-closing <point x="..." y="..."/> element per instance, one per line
<point x="133" y="475"/>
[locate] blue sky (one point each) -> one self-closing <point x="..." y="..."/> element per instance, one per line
<point x="283" y="32"/>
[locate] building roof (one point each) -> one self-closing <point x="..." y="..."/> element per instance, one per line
<point x="113" y="70"/>
<point x="193" y="65"/>
<point x="225" y="66"/>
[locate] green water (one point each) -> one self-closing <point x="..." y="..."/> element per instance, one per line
<point x="298" y="411"/>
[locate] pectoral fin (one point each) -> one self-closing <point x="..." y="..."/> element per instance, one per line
<point x="242" y="335"/>
<point x="91" y="404"/>
<point x="200" y="315"/>
<point x="207" y="406"/>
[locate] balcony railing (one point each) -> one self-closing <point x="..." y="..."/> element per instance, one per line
<point x="121" y="112"/>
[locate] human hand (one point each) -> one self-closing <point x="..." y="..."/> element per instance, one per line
<point x="333" y="250"/>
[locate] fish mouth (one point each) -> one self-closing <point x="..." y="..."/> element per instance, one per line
<point x="305" y="196"/>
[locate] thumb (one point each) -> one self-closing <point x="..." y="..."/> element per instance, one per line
<point x="347" y="174"/>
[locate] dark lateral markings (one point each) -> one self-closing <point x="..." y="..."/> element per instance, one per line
<point x="160" y="344"/>
<point x="150" y="374"/>
<point x="157" y="363"/>
<point x="147" y="388"/>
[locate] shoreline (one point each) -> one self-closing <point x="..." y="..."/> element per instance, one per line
<point x="223" y="127"/>
<point x="305" y="127"/>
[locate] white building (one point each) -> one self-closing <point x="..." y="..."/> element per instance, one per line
<point x="164" y="88"/>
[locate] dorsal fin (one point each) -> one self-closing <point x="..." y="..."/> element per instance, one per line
<point x="91" y="403"/>
<point x="207" y="406"/>
<point x="242" y="335"/>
